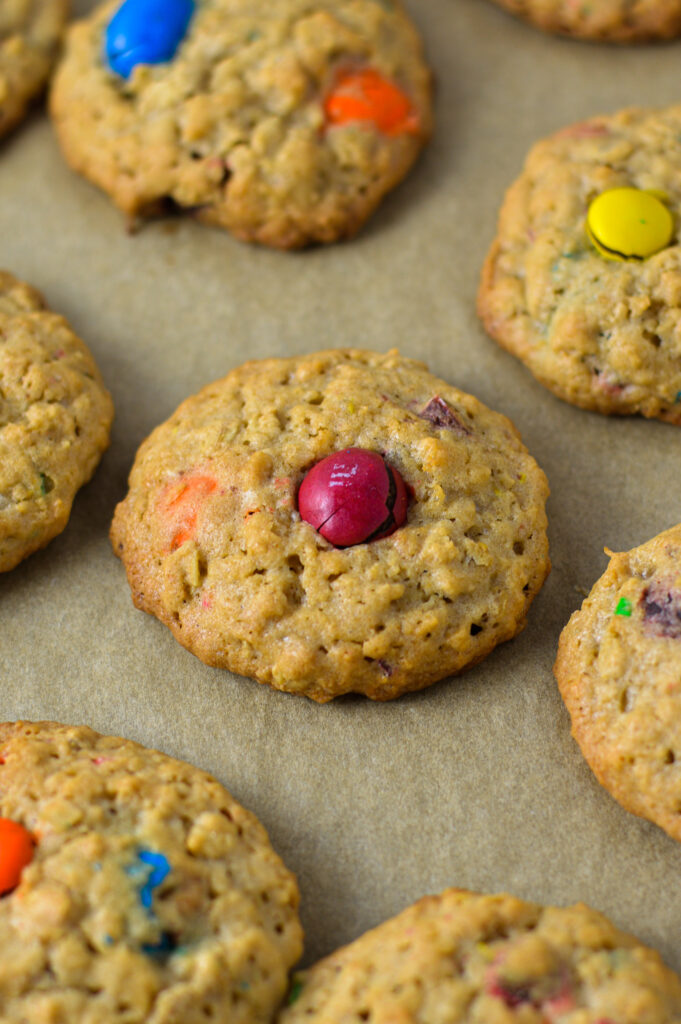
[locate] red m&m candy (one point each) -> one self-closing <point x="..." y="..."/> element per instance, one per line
<point x="16" y="851"/>
<point x="353" y="496"/>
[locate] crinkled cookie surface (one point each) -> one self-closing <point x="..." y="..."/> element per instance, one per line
<point x="619" y="672"/>
<point x="235" y="128"/>
<point x="152" y="896"/>
<point x="602" y="334"/>
<point x="617" y="21"/>
<point x="30" y="31"/>
<point x="55" y="416"/>
<point x="214" y="546"/>
<point x="463" y="958"/>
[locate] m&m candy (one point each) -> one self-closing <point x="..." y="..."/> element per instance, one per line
<point x="353" y="496"/>
<point x="365" y="95"/>
<point x="145" y="32"/>
<point x="16" y="851"/>
<point x="629" y="224"/>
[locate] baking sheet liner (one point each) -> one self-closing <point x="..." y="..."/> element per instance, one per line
<point x="476" y="781"/>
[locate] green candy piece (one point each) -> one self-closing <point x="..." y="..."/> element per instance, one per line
<point x="623" y="607"/>
<point x="294" y="992"/>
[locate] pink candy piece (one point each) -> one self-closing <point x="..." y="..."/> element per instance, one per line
<point x="585" y="130"/>
<point x="353" y="496"/>
<point x="510" y="997"/>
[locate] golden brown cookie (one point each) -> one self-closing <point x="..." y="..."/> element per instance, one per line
<point x="613" y="21"/>
<point x="214" y="544"/>
<point x="149" y="897"/>
<point x="619" y="672"/>
<point x="55" y="416"/>
<point x="285" y="121"/>
<point x="30" y="31"/>
<point x="464" y="958"/>
<point x="601" y="332"/>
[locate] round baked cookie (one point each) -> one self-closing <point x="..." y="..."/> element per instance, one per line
<point x="619" y="672"/>
<point x="602" y="333"/>
<point x="215" y="547"/>
<point x="55" y="417"/>
<point x="615" y="21"/>
<point x="151" y="896"/>
<point x="464" y="958"/>
<point x="284" y="121"/>
<point x="30" y="31"/>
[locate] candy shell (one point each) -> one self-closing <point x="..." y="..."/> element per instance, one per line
<point x="145" y="32"/>
<point x="16" y="851"/>
<point x="366" y="95"/>
<point x="353" y="496"/>
<point x="629" y="224"/>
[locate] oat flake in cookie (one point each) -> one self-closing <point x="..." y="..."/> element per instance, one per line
<point x="151" y="897"/>
<point x="55" y="416"/>
<point x="215" y="547"/>
<point x="614" y="21"/>
<point x="603" y="333"/>
<point x="619" y="672"/>
<point x="284" y="121"/>
<point x="464" y="958"/>
<point x="30" y="31"/>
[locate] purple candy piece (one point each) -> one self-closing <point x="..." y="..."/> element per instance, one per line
<point x="440" y="415"/>
<point x="661" y="610"/>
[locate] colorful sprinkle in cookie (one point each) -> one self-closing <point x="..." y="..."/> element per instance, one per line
<point x="285" y="122"/>
<point x="30" y="31"/>
<point x="55" y="416"/>
<point x="135" y="888"/>
<point x="613" y="21"/>
<point x="583" y="281"/>
<point x="342" y="521"/>
<point x="619" y="672"/>
<point x="464" y="958"/>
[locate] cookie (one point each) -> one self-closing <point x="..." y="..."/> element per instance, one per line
<point x="284" y="121"/>
<point x="215" y="545"/>
<point x="574" y="285"/>
<point x="146" y="893"/>
<point x="618" y="669"/>
<point x="30" y="31"/>
<point x="464" y="958"/>
<point x="614" y="21"/>
<point x="55" y="416"/>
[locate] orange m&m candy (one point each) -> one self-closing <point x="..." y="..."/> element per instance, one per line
<point x="365" y="95"/>
<point x="181" y="504"/>
<point x="16" y="851"/>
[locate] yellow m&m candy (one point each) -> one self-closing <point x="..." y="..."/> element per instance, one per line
<point x="629" y="224"/>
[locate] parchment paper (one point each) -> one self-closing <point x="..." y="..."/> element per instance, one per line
<point x="476" y="781"/>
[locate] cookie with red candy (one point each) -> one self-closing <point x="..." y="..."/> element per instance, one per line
<point x="465" y="958"/>
<point x="341" y="521"/>
<point x="618" y="669"/>
<point x="284" y="121"/>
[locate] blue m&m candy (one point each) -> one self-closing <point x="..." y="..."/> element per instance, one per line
<point x="145" y="32"/>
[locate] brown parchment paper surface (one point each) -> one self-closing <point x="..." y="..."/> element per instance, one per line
<point x="475" y="782"/>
